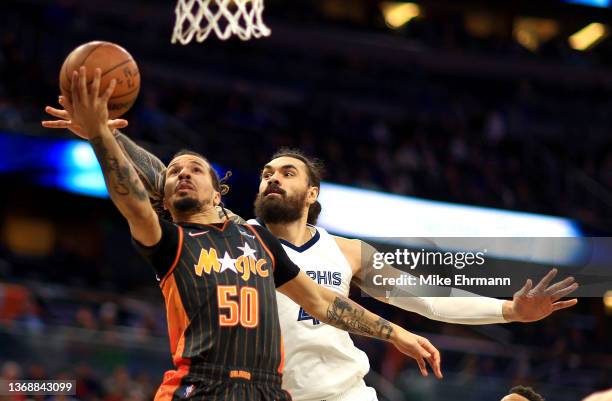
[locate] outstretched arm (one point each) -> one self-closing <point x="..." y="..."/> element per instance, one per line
<point x="454" y="305"/>
<point x="148" y="166"/>
<point x="151" y="171"/>
<point x="90" y="111"/>
<point x="344" y="314"/>
<point x="339" y="311"/>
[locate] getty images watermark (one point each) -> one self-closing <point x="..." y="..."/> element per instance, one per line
<point x="495" y="267"/>
<point x="413" y="259"/>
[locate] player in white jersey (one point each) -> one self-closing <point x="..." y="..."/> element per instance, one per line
<point x="309" y="373"/>
<point x="322" y="363"/>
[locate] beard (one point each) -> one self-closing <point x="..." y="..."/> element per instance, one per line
<point x="283" y="209"/>
<point x="187" y="204"/>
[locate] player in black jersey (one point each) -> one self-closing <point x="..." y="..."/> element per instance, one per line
<point x="218" y="278"/>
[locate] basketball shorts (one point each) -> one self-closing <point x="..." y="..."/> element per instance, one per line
<point x="221" y="384"/>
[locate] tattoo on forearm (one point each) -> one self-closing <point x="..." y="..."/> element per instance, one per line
<point x="347" y="315"/>
<point x="121" y="179"/>
<point x="148" y="167"/>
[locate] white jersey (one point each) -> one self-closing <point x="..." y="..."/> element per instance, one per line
<point x="320" y="360"/>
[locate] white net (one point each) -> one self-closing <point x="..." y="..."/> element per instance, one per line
<point x="198" y="18"/>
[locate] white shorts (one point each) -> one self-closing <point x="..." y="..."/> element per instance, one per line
<point x="359" y="392"/>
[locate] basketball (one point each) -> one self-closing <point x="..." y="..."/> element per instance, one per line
<point x="115" y="62"/>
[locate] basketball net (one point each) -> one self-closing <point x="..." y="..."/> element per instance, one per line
<point x="198" y="18"/>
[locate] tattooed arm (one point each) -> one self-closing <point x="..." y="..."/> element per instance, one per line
<point x="149" y="168"/>
<point x="151" y="171"/>
<point x="90" y="111"/>
<point x="339" y="311"/>
<point x="346" y="315"/>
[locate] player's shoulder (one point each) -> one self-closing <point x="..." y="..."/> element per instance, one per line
<point x="168" y="224"/>
<point x="258" y="226"/>
<point x="248" y="227"/>
<point x="347" y="242"/>
<point x="349" y="247"/>
<point x="255" y="229"/>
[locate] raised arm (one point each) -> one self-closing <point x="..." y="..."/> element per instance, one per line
<point x="90" y="111"/>
<point x="452" y="305"/>
<point x="151" y="171"/>
<point x="149" y="168"/>
<point x="344" y="314"/>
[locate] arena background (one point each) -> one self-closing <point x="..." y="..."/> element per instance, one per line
<point x="477" y="103"/>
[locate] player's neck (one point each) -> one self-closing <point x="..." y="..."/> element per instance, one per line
<point x="295" y="232"/>
<point x="206" y="216"/>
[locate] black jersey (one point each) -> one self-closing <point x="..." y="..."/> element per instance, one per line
<point x="219" y="285"/>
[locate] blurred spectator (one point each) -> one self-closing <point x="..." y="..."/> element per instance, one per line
<point x="10" y="372"/>
<point x="30" y="316"/>
<point x="87" y="385"/>
<point x="108" y="316"/>
<point x="119" y="386"/>
<point x="86" y="319"/>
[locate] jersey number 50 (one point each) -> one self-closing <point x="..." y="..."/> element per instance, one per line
<point x="244" y="310"/>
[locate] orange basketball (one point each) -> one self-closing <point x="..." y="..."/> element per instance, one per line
<point x="115" y="62"/>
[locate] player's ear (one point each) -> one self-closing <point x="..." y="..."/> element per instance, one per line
<point x="216" y="198"/>
<point x="313" y="194"/>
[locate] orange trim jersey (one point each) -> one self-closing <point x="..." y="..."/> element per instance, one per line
<point x="219" y="285"/>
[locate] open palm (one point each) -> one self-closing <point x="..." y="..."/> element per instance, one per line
<point x="535" y="303"/>
<point x="65" y="119"/>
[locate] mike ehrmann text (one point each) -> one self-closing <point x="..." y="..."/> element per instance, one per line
<point x="437" y="280"/>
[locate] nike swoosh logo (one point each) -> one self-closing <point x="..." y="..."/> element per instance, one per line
<point x="192" y="234"/>
<point x="247" y="235"/>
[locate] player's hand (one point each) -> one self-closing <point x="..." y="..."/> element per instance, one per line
<point x="535" y="303"/>
<point x="65" y="119"/>
<point x="420" y="349"/>
<point x="89" y="108"/>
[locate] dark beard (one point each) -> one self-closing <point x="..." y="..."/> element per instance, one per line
<point x="187" y="204"/>
<point x="284" y="210"/>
